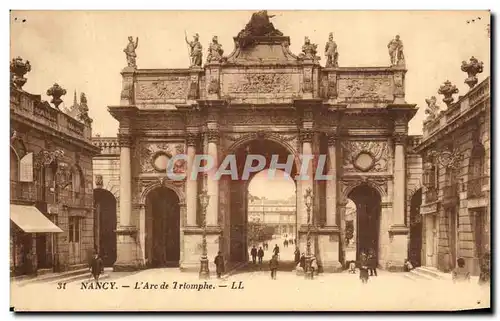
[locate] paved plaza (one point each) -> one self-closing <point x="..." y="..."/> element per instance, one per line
<point x="253" y="291"/>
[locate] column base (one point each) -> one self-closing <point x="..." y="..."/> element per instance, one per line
<point x="126" y="250"/>
<point x="332" y="267"/>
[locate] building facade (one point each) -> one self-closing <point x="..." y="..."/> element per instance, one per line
<point x="279" y="214"/>
<point x="50" y="180"/>
<point x="261" y="99"/>
<point x="455" y="150"/>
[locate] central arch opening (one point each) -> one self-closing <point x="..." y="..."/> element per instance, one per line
<point x="260" y="205"/>
<point x="162" y="228"/>
<point x="364" y="226"/>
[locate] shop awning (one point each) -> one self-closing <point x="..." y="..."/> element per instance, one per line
<point x="31" y="220"/>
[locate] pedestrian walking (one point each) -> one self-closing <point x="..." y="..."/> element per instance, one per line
<point x="363" y="268"/>
<point x="273" y="264"/>
<point x="219" y="264"/>
<point x="297" y="255"/>
<point x="96" y="266"/>
<point x="253" y="253"/>
<point x="372" y="262"/>
<point x="260" y="254"/>
<point x="276" y="250"/>
<point x="303" y="262"/>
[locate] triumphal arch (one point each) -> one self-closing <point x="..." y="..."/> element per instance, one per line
<point x="261" y="99"/>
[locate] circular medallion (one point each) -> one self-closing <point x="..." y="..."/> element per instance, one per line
<point x="160" y="161"/>
<point x="364" y="161"/>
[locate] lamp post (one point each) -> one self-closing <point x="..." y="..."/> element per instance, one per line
<point x="308" y="200"/>
<point x="204" y="200"/>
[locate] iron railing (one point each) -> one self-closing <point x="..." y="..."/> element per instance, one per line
<point x="32" y="192"/>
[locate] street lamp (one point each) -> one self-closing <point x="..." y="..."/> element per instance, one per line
<point x="204" y="200"/>
<point x="308" y="200"/>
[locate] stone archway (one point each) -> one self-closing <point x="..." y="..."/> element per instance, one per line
<point x="162" y="228"/>
<point x="105" y="222"/>
<point x="368" y="212"/>
<point x="237" y="229"/>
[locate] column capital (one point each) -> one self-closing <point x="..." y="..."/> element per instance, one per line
<point x="332" y="139"/>
<point x="192" y="139"/>
<point x="212" y="135"/>
<point x="400" y="138"/>
<point x="125" y="140"/>
<point x="306" y="135"/>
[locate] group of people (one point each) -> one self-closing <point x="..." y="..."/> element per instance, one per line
<point x="288" y="242"/>
<point x="367" y="265"/>
<point x="300" y="262"/>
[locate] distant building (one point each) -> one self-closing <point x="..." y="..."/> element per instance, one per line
<point x="51" y="206"/>
<point x="456" y="154"/>
<point x="280" y="214"/>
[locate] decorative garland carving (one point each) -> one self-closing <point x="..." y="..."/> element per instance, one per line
<point x="148" y="153"/>
<point x="306" y="136"/>
<point x="448" y="158"/>
<point x="377" y="150"/>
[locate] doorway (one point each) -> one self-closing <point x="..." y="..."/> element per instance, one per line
<point x="415" y="248"/>
<point x="368" y="206"/>
<point x="162" y="228"/>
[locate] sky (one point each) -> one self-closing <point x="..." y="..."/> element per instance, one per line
<point x="83" y="50"/>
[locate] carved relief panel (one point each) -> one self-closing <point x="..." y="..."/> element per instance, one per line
<point x="365" y="88"/>
<point x="365" y="156"/>
<point x="155" y="157"/>
<point x="252" y="84"/>
<point x="164" y="89"/>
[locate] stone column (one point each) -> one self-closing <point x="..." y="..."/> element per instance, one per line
<point x="306" y="138"/>
<point x="331" y="185"/>
<point x="398" y="232"/>
<point x="399" y="194"/>
<point x="212" y="183"/>
<point x="191" y="184"/>
<point x="126" y="245"/>
<point x="329" y="238"/>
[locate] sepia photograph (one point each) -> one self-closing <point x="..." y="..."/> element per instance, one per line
<point x="263" y="160"/>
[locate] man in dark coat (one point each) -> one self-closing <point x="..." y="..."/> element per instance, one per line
<point x="253" y="253"/>
<point x="297" y="255"/>
<point x="273" y="265"/>
<point x="372" y="263"/>
<point x="363" y="268"/>
<point x="276" y="250"/>
<point x="96" y="266"/>
<point x="260" y="254"/>
<point x="219" y="264"/>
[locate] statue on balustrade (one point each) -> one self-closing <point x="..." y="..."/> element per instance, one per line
<point x="130" y="51"/>
<point x="196" y="51"/>
<point x="215" y="51"/>
<point x="396" y="52"/>
<point x="331" y="53"/>
<point x="308" y="50"/>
